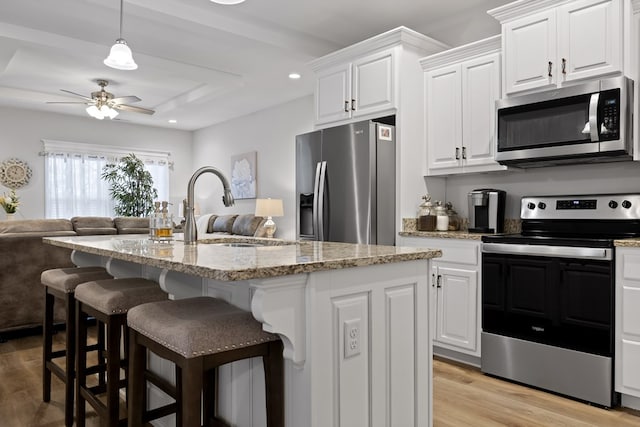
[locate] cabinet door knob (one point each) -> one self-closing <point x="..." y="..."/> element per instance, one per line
<point x="549" y="69"/>
<point x="457" y="153"/>
<point x="564" y="66"/>
<point x="346" y="106"/>
<point x="353" y="104"/>
<point x="464" y="152"/>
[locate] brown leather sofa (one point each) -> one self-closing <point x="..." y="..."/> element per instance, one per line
<point x="23" y="257"/>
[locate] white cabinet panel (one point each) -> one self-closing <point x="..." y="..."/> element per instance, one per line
<point x="590" y="38"/>
<point x="444" y="118"/>
<point x="333" y="93"/>
<point x="631" y="311"/>
<point x="480" y="90"/>
<point x="631" y="366"/>
<point x="530" y="47"/>
<point x="373" y="84"/>
<point x="456" y="322"/>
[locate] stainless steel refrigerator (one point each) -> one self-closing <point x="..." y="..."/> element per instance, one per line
<point x="345" y="184"/>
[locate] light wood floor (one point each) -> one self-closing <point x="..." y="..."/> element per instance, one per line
<point x="463" y="396"/>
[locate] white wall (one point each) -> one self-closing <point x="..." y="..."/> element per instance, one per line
<point x="272" y="134"/>
<point x="21" y="132"/>
<point x="565" y="180"/>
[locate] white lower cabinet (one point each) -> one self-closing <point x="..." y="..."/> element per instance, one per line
<point x="627" y="359"/>
<point x="456" y="295"/>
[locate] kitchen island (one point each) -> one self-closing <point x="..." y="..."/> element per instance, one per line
<point x="354" y="320"/>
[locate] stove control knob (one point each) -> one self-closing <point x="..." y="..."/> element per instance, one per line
<point x="626" y="204"/>
<point x="531" y="205"/>
<point x="542" y="205"/>
<point x="613" y="204"/>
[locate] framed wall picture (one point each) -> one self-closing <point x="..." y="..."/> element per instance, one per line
<point x="243" y="175"/>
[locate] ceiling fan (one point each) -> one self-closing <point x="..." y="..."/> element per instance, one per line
<point x="102" y="103"/>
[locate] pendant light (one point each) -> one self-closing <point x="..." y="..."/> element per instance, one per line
<point x="120" y="56"/>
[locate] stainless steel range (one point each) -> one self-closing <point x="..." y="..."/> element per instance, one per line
<point x="548" y="294"/>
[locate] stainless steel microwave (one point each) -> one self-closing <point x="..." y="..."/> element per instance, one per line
<point x="590" y="122"/>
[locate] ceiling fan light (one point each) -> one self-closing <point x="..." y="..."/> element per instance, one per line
<point x="120" y="57"/>
<point x="108" y="112"/>
<point x="95" y="112"/>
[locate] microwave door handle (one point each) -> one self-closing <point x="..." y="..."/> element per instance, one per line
<point x="593" y="117"/>
<point x="316" y="201"/>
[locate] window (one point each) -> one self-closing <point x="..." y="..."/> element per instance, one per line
<point x="73" y="186"/>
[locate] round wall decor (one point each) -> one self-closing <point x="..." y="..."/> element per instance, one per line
<point x="14" y="173"/>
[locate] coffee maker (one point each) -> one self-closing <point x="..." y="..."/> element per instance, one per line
<point x="486" y="210"/>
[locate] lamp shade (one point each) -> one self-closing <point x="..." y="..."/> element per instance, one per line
<point x="269" y="207"/>
<point x="120" y="57"/>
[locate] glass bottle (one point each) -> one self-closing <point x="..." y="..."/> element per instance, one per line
<point x="426" y="215"/>
<point x="454" y="218"/>
<point x="442" y="219"/>
<point x="164" y="226"/>
<point x="153" y="219"/>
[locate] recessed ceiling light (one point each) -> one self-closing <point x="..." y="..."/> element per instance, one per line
<point x="294" y="76"/>
<point x="227" y="1"/>
<point x="173" y="121"/>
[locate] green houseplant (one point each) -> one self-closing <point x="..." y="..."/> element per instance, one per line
<point x="131" y="186"/>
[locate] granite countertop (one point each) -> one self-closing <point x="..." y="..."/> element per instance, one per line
<point x="443" y="234"/>
<point x="210" y="258"/>
<point x="627" y="243"/>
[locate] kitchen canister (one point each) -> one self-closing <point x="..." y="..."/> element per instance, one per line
<point x="426" y="215"/>
<point x="442" y="218"/>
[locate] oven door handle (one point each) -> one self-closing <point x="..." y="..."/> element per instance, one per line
<point x="605" y="254"/>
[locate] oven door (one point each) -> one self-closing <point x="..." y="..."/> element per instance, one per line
<point x="554" y="300"/>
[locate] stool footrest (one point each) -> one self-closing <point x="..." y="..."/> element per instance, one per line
<point x="58" y="371"/>
<point x="91" y="398"/>
<point x="163" y="411"/>
<point x="58" y="353"/>
<point x="161" y="383"/>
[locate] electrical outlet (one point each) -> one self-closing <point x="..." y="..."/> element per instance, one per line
<point x="351" y="338"/>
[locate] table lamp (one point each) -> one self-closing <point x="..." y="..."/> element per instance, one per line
<point x="269" y="208"/>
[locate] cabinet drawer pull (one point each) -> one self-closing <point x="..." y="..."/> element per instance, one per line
<point x="439" y="281"/>
<point x="346" y="106"/>
<point x="353" y="104"/>
<point x="549" y="69"/>
<point x="457" y="153"/>
<point x="564" y="66"/>
<point x="433" y="280"/>
<point x="464" y="152"/>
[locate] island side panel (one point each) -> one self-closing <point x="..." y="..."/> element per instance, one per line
<point x="368" y="346"/>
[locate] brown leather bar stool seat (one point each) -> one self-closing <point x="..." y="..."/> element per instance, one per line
<point x="60" y="284"/>
<point x="198" y="335"/>
<point x="108" y="301"/>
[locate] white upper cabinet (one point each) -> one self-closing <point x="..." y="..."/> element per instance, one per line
<point x="363" y="81"/>
<point x="568" y="40"/>
<point x="355" y="89"/>
<point x="461" y="88"/>
<point x="529" y="51"/>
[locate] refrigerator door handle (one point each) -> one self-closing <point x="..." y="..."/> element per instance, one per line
<point x="316" y="201"/>
<point x="321" y="199"/>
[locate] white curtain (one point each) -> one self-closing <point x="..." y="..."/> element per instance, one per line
<point x="73" y="183"/>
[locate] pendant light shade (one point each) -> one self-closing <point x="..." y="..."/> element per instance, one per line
<point x="120" y="56"/>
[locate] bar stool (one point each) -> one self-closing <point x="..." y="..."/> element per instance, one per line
<point x="108" y="301"/>
<point x="60" y="284"/>
<point x="198" y="335"/>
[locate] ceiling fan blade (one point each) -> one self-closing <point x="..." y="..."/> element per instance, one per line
<point x="124" y="99"/>
<point x="133" y="109"/>
<point x="77" y="94"/>
<point x="68" y="102"/>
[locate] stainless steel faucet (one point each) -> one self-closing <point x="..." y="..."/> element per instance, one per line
<point x="190" y="230"/>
